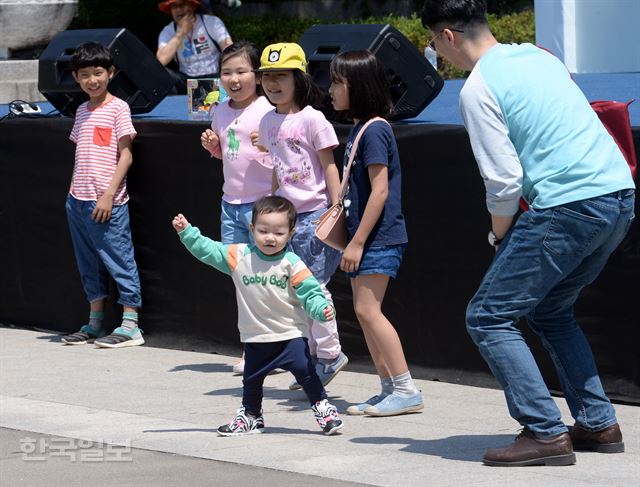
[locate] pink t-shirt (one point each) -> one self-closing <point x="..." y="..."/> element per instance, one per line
<point x="96" y="134"/>
<point x="247" y="171"/>
<point x="294" y="141"/>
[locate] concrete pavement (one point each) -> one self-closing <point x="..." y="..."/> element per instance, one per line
<point x="170" y="401"/>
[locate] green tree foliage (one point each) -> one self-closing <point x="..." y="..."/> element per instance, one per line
<point x="143" y="18"/>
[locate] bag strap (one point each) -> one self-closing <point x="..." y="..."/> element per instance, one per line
<point x="352" y="155"/>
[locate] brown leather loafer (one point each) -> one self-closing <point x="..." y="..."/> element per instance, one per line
<point x="608" y="440"/>
<point x="528" y="450"/>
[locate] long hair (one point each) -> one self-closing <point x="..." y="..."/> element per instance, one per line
<point x="369" y="94"/>
<point x="307" y="91"/>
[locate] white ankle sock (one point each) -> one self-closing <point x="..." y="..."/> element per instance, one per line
<point x="403" y="385"/>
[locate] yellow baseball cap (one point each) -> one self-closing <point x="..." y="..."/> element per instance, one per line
<point x="283" y="56"/>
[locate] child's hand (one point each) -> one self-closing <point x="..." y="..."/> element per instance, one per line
<point x="351" y="257"/>
<point x="104" y="206"/>
<point x="328" y="313"/>
<point x="179" y="222"/>
<point x="209" y="140"/>
<point x="255" y="141"/>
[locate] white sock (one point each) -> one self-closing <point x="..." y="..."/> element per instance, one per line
<point x="403" y="385"/>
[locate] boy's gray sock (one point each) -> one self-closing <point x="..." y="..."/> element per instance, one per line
<point x="403" y="385"/>
<point x="387" y="385"/>
<point x="95" y="321"/>
<point x="129" y="321"/>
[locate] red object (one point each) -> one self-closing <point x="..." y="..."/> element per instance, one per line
<point x="165" y="6"/>
<point x="614" y="115"/>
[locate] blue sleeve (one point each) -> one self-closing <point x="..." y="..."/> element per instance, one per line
<point x="375" y="144"/>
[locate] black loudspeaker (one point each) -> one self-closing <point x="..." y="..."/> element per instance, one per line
<point x="140" y="79"/>
<point x="413" y="81"/>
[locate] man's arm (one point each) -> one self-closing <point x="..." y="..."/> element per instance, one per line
<point x="495" y="154"/>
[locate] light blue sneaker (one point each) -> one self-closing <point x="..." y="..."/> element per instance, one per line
<point x="358" y="409"/>
<point x="394" y="404"/>
<point x="326" y="372"/>
<point x="121" y="338"/>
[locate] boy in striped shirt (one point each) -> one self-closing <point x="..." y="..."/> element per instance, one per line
<point x="275" y="291"/>
<point x="96" y="206"/>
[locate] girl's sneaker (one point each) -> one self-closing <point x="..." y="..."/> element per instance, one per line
<point x="238" y="367"/>
<point x="327" y="417"/>
<point x="84" y="336"/>
<point x="242" y="424"/>
<point x="358" y="409"/>
<point x="394" y="404"/>
<point x="121" y="338"/>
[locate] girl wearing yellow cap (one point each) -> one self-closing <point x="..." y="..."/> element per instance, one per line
<point x="301" y="142"/>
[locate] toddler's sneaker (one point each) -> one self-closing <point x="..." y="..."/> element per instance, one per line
<point x="242" y="424"/>
<point x="121" y="338"/>
<point x="85" y="335"/>
<point x="358" y="409"/>
<point x="395" y="404"/>
<point x="326" y="372"/>
<point x="238" y="367"/>
<point x="327" y="417"/>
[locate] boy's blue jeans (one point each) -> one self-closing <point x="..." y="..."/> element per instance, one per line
<point x="104" y="249"/>
<point x="538" y="272"/>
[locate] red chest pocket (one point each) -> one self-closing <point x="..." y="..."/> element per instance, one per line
<point x="102" y="136"/>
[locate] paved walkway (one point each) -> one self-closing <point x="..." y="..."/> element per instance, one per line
<point x="145" y="398"/>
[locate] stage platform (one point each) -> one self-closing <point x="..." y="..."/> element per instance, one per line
<point x="189" y="306"/>
<point x="443" y="110"/>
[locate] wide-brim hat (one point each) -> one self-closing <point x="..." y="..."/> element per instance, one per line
<point x="166" y="5"/>
<point x="283" y="56"/>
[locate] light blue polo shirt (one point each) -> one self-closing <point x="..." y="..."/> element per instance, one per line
<point x="534" y="134"/>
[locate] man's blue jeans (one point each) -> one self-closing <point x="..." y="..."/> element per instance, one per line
<point x="538" y="272"/>
<point x="104" y="249"/>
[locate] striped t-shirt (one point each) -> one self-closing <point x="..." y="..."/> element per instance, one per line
<point x="96" y="134"/>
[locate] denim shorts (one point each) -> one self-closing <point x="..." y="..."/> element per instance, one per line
<point x="234" y="223"/>
<point x="380" y="260"/>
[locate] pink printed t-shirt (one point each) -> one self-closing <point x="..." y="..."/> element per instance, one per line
<point x="246" y="170"/>
<point x="293" y="140"/>
<point x="96" y="134"/>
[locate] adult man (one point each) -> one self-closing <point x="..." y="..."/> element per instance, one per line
<point x="534" y="135"/>
<point x="194" y="40"/>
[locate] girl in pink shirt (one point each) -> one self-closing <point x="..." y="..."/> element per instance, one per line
<point x="247" y="170"/>
<point x="300" y="141"/>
